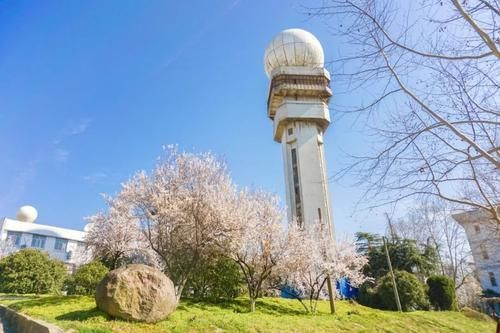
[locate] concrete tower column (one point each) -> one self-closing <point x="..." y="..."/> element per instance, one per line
<point x="298" y="100"/>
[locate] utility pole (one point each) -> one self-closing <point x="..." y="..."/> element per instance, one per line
<point x="331" y="295"/>
<point x="394" y="287"/>
<point x="391" y="228"/>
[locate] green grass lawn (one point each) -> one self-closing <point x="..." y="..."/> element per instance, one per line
<point x="272" y="315"/>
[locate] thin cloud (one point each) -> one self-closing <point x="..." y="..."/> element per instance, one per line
<point x="95" y="177"/>
<point x="61" y="155"/>
<point x="197" y="36"/>
<point x="77" y="128"/>
<point x="71" y="129"/>
<point x="20" y="183"/>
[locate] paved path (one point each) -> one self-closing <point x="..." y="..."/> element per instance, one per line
<point x="4" y="328"/>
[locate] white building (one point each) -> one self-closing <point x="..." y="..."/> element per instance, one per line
<point x="67" y="245"/>
<point x="484" y="240"/>
<point x="298" y="99"/>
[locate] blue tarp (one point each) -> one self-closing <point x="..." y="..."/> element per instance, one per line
<point x="288" y="292"/>
<point x="344" y="289"/>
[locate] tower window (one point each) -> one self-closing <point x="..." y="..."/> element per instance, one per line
<point x="493" y="280"/>
<point x="320" y="220"/>
<point x="484" y="253"/>
<point x="476" y="228"/>
<point x="296" y="187"/>
<point x="290" y="131"/>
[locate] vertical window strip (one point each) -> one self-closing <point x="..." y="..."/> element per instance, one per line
<point x="493" y="280"/>
<point x="296" y="187"/>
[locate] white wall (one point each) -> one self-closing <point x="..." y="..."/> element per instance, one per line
<point x="51" y="233"/>
<point x="485" y="240"/>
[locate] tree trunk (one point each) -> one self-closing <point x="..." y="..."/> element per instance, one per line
<point x="330" y="293"/>
<point x="178" y="291"/>
<point x="252" y="304"/>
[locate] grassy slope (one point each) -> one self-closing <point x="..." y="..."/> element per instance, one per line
<point x="273" y="315"/>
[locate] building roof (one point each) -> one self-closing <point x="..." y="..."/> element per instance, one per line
<point x="473" y="216"/>
<point x="44" y="230"/>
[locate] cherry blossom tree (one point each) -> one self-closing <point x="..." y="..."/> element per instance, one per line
<point x="114" y="236"/>
<point x="185" y="207"/>
<point x="81" y="255"/>
<point x="313" y="258"/>
<point x="469" y="292"/>
<point x="303" y="273"/>
<point x="260" y="244"/>
<point x="7" y="246"/>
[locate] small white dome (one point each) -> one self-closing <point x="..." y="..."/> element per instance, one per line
<point x="88" y="227"/>
<point x="293" y="47"/>
<point x="27" y="214"/>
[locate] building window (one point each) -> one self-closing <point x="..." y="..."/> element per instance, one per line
<point x="484" y="253"/>
<point x="493" y="280"/>
<point x="80" y="246"/>
<point x="290" y="131"/>
<point x="38" y="241"/>
<point x="61" y="244"/>
<point x="296" y="187"/>
<point x="476" y="228"/>
<point x="14" y="237"/>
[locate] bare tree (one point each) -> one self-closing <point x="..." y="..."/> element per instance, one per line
<point x="432" y="222"/>
<point x="428" y="73"/>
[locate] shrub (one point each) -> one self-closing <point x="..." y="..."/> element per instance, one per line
<point x="216" y="277"/>
<point x="31" y="271"/>
<point x="368" y="296"/>
<point x="86" y="279"/>
<point x="441" y="292"/>
<point x="411" y="292"/>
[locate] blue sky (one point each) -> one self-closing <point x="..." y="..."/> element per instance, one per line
<point x="91" y="90"/>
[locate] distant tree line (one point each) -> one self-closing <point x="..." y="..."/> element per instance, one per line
<point x="416" y="274"/>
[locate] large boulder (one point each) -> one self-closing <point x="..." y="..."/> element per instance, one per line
<point x="136" y="292"/>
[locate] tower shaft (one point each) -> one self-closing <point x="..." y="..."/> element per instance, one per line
<point x="298" y="105"/>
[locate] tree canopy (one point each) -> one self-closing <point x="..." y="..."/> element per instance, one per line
<point x="406" y="255"/>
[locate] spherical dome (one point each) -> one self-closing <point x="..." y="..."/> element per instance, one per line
<point x="27" y="214"/>
<point x="293" y="47"/>
<point x="88" y="227"/>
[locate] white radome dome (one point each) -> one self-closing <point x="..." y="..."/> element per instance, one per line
<point x="88" y="227"/>
<point x="293" y="47"/>
<point x="27" y="214"/>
